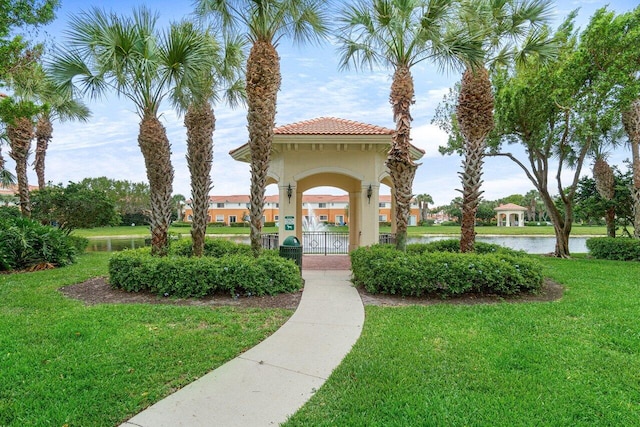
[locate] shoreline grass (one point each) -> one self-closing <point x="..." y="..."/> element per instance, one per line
<point x="64" y="363"/>
<point x="572" y="362"/>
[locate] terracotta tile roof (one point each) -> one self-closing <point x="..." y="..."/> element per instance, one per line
<point x="331" y="126"/>
<point x="510" y="207"/>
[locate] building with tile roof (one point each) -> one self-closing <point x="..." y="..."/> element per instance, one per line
<point x="333" y="152"/>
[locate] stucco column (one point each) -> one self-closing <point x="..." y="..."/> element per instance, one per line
<point x="521" y="219"/>
<point x="287" y="208"/>
<point x="369" y="232"/>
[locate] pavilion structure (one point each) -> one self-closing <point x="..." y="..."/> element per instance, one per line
<point x="331" y="152"/>
<point x="510" y="215"/>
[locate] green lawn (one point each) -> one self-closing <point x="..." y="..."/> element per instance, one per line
<point x="573" y="362"/>
<point x="66" y="364"/>
<point x="143" y="231"/>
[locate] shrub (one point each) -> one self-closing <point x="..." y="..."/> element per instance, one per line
<point x="382" y="269"/>
<point x="182" y="276"/>
<point x="181" y="224"/>
<point x="25" y="243"/>
<point x="238" y="224"/>
<point x="621" y="248"/>
<point x="269" y="224"/>
<point x="216" y="224"/>
<point x="449" y="223"/>
<point x="426" y="222"/>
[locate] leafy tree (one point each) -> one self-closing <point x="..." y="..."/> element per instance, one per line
<point x="486" y="211"/>
<point x="74" y="206"/>
<point x="591" y="206"/>
<point x="399" y="34"/>
<point x="14" y="50"/>
<point x="131" y="199"/>
<point x="128" y="55"/>
<point x="264" y="23"/>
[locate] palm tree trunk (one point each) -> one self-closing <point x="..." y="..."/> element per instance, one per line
<point x="156" y="151"/>
<point x="263" y="83"/>
<point x="401" y="167"/>
<point x="631" y="121"/>
<point x="471" y="182"/>
<point x="200" y="124"/>
<point x="475" y="116"/>
<point x="44" y="131"/>
<point x="20" y="135"/>
<point x="606" y="187"/>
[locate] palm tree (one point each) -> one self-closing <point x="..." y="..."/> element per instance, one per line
<point x="197" y="98"/>
<point x="631" y="121"/>
<point x="128" y="55"/>
<point x="18" y="117"/>
<point x="6" y="177"/>
<point x="499" y="25"/>
<point x="265" y="23"/>
<point x="57" y="105"/>
<point x="423" y="202"/>
<point x="399" y="34"/>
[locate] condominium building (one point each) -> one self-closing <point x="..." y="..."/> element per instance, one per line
<point x="325" y="208"/>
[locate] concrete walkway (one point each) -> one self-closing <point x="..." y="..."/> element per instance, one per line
<point x="268" y="383"/>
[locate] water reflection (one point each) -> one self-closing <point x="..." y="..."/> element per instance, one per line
<point x="532" y="245"/>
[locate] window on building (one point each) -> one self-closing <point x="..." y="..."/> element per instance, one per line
<point x="323" y="218"/>
<point x="190" y="218"/>
<point x="219" y="218"/>
<point x="322" y="205"/>
<point x="220" y="205"/>
<point x="382" y="218"/>
<point x="232" y="219"/>
<point x="276" y="217"/>
<point x="277" y="205"/>
<point x="382" y="205"/>
<point x="247" y="205"/>
<point x="340" y="219"/>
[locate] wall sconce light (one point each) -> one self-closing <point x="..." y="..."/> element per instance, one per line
<point x="289" y="193"/>
<point x="369" y="193"/>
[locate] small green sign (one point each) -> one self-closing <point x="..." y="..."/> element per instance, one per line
<point x="289" y="223"/>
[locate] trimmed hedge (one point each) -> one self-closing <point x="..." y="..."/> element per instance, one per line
<point x="382" y="269"/>
<point x="619" y="248"/>
<point x="181" y="276"/>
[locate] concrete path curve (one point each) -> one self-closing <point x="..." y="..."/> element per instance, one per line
<point x="271" y="381"/>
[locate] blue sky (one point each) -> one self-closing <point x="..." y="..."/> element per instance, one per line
<point x="312" y="86"/>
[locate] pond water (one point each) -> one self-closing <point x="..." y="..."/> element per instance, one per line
<point x="532" y="245"/>
<point x="529" y="244"/>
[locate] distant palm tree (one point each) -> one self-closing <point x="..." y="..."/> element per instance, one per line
<point x="57" y="105"/>
<point x="264" y="23"/>
<point x="222" y="80"/>
<point x="6" y="177"/>
<point x="508" y="30"/>
<point x="399" y="34"/>
<point x="129" y="56"/>
<point x="423" y="202"/>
